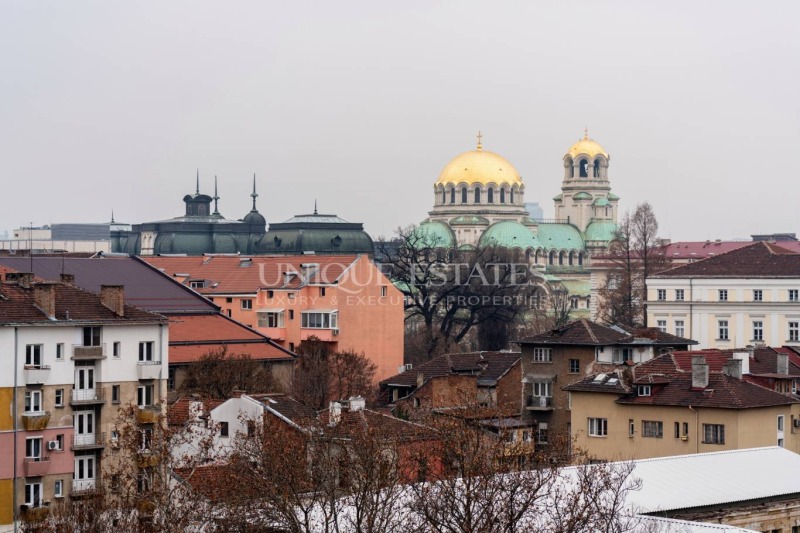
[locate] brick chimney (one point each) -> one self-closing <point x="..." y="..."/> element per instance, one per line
<point x="420" y="379"/>
<point x="113" y="297"/>
<point x="733" y="368"/>
<point x="357" y="403"/>
<point x="783" y="364"/>
<point x="69" y="279"/>
<point x="44" y="296"/>
<point x="699" y="372"/>
<point x="335" y="413"/>
<point x="23" y="279"/>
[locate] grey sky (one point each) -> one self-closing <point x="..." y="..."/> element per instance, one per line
<point x="112" y="105"/>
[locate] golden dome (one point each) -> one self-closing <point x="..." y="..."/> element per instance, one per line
<point x="586" y="146"/>
<point x="479" y="166"/>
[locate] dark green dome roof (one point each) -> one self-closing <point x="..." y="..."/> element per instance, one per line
<point x="435" y="234"/>
<point x="318" y="234"/>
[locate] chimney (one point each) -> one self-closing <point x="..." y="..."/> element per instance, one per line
<point x="357" y="403"/>
<point x="744" y="357"/>
<point x="113" y="297"/>
<point x="237" y="393"/>
<point x="699" y="372"/>
<point x="420" y="379"/>
<point x="69" y="279"/>
<point x="23" y="279"/>
<point x="336" y="413"/>
<point x="44" y="295"/>
<point x="783" y="364"/>
<point x="733" y="368"/>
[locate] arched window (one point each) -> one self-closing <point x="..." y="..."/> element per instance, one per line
<point x="571" y="256"/>
<point x="584" y="170"/>
<point x="580" y="259"/>
<point x="502" y="196"/>
<point x="596" y="168"/>
<point x="552" y="258"/>
<point x="452" y="196"/>
<point x="490" y="196"/>
<point x="512" y="196"/>
<point x="477" y="195"/>
<point x="464" y="195"/>
<point x="561" y="258"/>
<point x="444" y="197"/>
<point x="570" y="166"/>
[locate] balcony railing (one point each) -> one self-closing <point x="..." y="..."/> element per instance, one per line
<point x="80" y="352"/>
<point x="35" y="420"/>
<point x="87" y="396"/>
<point x="85" y="487"/>
<point x="36" y="466"/>
<point x="36" y="374"/>
<point x="539" y="402"/>
<point x="149" y="369"/>
<point x="88" y="441"/>
<point x="148" y="414"/>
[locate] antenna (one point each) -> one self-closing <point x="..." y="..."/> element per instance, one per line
<point x="30" y="243"/>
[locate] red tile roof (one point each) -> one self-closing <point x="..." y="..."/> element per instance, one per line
<point x="180" y="411"/>
<point x="214" y="482"/>
<point x="757" y="260"/>
<point x="192" y="336"/>
<point x="357" y="422"/>
<point x="584" y="332"/>
<point x="246" y="275"/>
<point x="705" y="249"/>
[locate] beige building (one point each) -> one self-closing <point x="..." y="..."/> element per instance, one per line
<point x="750" y="295"/>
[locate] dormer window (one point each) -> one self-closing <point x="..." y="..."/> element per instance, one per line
<point x="197" y="284"/>
<point x="643" y="390"/>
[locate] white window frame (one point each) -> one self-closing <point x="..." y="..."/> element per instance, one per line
<point x="644" y="390"/>
<point x="542" y="388"/>
<point x="621" y="355"/>
<point x="653" y="429"/>
<point x="33" y="402"/>
<point x="33" y="448"/>
<point x="91" y="330"/>
<point x="723" y="295"/>
<point x="661" y="294"/>
<point x="542" y="355"/>
<point x="60" y="351"/>
<point x="680" y="328"/>
<point x="58" y="488"/>
<point x="146" y="393"/>
<point x="59" y="398"/>
<point x="271" y="319"/>
<point x="319" y="320"/>
<point x="780" y="422"/>
<point x="794" y="330"/>
<point x="116" y="350"/>
<point x="758" y="330"/>
<point x="598" y="427"/>
<point x="758" y="295"/>
<point x="246" y="304"/>
<point x="34" y="355"/>
<point x="793" y="295"/>
<point x="577" y="369"/>
<point x="34" y="496"/>
<point x="147" y="351"/>
<point x="679" y="295"/>
<point x="661" y="325"/>
<point x="723" y="330"/>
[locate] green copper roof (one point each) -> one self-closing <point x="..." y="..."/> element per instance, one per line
<point x="577" y="287"/>
<point x="528" y="221"/>
<point x="557" y="197"/>
<point x="582" y="196"/>
<point x="600" y="202"/>
<point x="509" y="234"/>
<point x="560" y="237"/>
<point x="612" y="196"/>
<point x="435" y="234"/>
<point x="600" y="230"/>
<point x="469" y="220"/>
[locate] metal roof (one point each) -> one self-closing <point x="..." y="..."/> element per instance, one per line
<point x="648" y="524"/>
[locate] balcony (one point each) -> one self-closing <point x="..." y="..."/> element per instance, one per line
<point x="88" y="353"/>
<point x="278" y="334"/>
<point x="34" y="515"/>
<point x="38" y="466"/>
<point x="327" y="335"/>
<point x="539" y="403"/>
<point x="149" y="370"/>
<point x="147" y="459"/>
<point x="85" y="487"/>
<point x="36" y="374"/>
<point x="148" y="414"/>
<point x="88" y="441"/>
<point x="87" y="397"/>
<point x="35" y="420"/>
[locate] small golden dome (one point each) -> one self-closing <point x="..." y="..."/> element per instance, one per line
<point x="479" y="166"/>
<point x="586" y="146"/>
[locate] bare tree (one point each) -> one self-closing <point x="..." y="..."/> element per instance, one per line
<point x="351" y="374"/>
<point x="217" y="374"/>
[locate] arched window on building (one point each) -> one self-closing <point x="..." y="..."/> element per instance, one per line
<point x="552" y="258"/>
<point x="584" y="169"/>
<point x="452" y="196"/>
<point x="490" y="196"/>
<point x="444" y="196"/>
<point x="512" y="196"/>
<point x="464" y="195"/>
<point x="570" y="166"/>
<point x="580" y="259"/>
<point x="561" y="258"/>
<point x="477" y="195"/>
<point x="571" y="258"/>
<point x="502" y="196"/>
<point x="596" y="168"/>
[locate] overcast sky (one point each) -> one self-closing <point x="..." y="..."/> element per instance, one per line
<point x="113" y="105"/>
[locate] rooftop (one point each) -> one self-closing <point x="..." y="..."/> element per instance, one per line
<point x="584" y="332"/>
<point x="755" y="260"/>
<point x="488" y="366"/>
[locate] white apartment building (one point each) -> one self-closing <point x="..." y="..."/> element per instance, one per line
<point x="750" y="295"/>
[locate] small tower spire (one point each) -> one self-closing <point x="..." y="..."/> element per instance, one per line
<point x="216" y="197"/>
<point x="112" y="216"/>
<point x="197" y="187"/>
<point x="254" y="194"/>
<point x="480" y="137"/>
<point x="315" y="206"/>
<point x="585" y="133"/>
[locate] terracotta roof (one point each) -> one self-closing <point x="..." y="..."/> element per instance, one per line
<point x="246" y="275"/>
<point x="210" y="481"/>
<point x="757" y="260"/>
<point x="703" y="249"/>
<point x="763" y="361"/>
<point x="289" y="408"/>
<point x="180" y="411"/>
<point x="584" y="332"/>
<point x="72" y="305"/>
<point x="192" y="336"/>
<point x="389" y="427"/>
<point x="145" y="287"/>
<point x="487" y="366"/>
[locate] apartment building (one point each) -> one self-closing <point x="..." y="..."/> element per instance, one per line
<point x="680" y="403"/>
<point x="750" y="295"/>
<point x="73" y="359"/>
<point x="342" y="300"/>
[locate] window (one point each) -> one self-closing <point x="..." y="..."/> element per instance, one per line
<point x="146" y="351"/>
<point x="793" y="296"/>
<point x="251" y="428"/>
<point x="58" y="489"/>
<point x="59" y="401"/>
<point x="573" y="303"/>
<point x="780" y="422"/>
<point x="33" y="355"/>
<point x="452" y="196"/>
<point x="598" y="427"/>
<point x="291" y="314"/>
<point x="542" y="355"/>
<point x="722" y="330"/>
<point x="651" y="428"/>
<point x="320" y="320"/>
<point x="33" y="401"/>
<point x="758" y="330"/>
<point x="679" y="295"/>
<point x="247" y="304"/>
<point x="490" y="196"/>
<point x="631" y="427"/>
<point x="661" y="325"/>
<point x="463" y="196"/>
<point x="502" y="196"/>
<point x="723" y="295"/>
<point x="758" y="295"/>
<point x="677" y="430"/>
<point x="574" y="366"/>
<point x="541" y="434"/>
<point x="91" y="336"/>
<point x="270" y="319"/>
<point x="322" y="291"/>
<point x="621" y="355"/>
<point x="643" y="390"/>
<point x="686" y="429"/>
<point x="383" y="290"/>
<point x="60" y="351"/>
<point x="713" y="434"/>
<point x="661" y="294"/>
<point x="33" y="449"/>
<point x="171" y="371"/>
<point x="291" y="347"/>
<point x="60" y="441"/>
<point x="679" y="328"/>
<point x="270" y="294"/>
<point x="223" y="429"/>
<point x="543" y="388"/>
<point x="228" y="300"/>
<point x="117" y="349"/>
<point x="144" y="396"/>
<point x="115" y="394"/>
<point x="33" y="494"/>
<point x="144" y="483"/>
<point x="794" y="331"/>
<point x="147" y="439"/>
<point x="197" y="284"/>
<point x="477" y="195"/>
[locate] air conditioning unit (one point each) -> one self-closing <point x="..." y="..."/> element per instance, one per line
<point x="685" y="437"/>
<point x="52" y="445"/>
<point x="797" y="422"/>
<point x="335" y="332"/>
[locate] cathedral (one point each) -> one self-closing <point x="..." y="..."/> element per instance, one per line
<point x="479" y="200"/>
